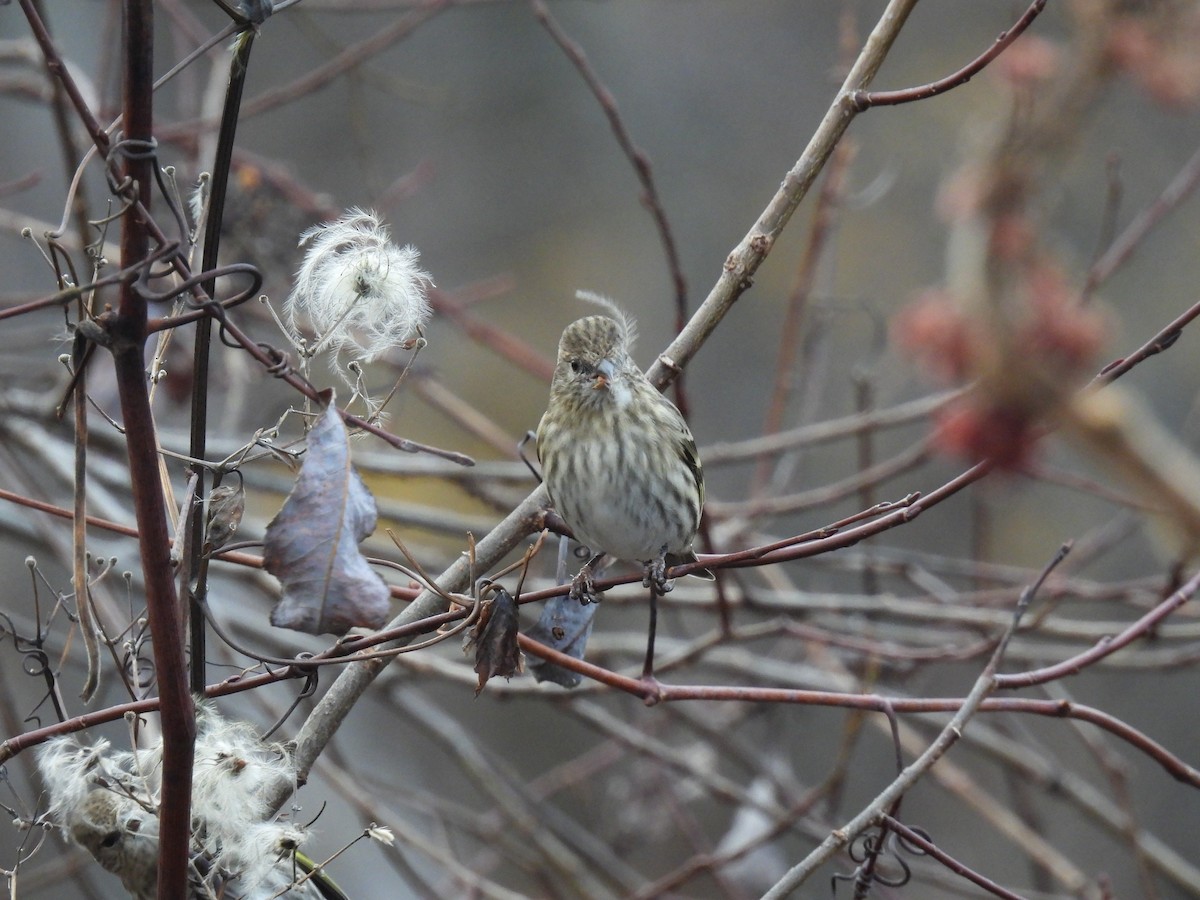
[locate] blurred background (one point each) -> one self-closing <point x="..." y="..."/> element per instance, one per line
<point x="474" y="136"/>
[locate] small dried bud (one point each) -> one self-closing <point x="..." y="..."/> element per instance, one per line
<point x="225" y="507"/>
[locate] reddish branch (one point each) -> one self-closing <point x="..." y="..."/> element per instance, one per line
<point x="929" y="848"/>
<point x="637" y="157"/>
<point x="268" y="357"/>
<point x="498" y="340"/>
<point x="1180" y="188"/>
<point x="824" y="219"/>
<point x="1175" y="766"/>
<point x="128" y="350"/>
<point x="58" y="68"/>
<point x="864" y="100"/>
<point x="1076" y="664"/>
<point x="349" y="58"/>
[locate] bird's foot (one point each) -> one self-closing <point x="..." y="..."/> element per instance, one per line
<point x="583" y="587"/>
<point x="656" y="575"/>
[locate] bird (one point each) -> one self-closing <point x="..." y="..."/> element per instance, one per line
<point x="120" y="830"/>
<point x="121" y="833"/>
<point x="618" y="459"/>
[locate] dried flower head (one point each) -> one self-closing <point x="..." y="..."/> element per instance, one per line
<point x="71" y="770"/>
<point x="357" y="290"/>
<point x="107" y="802"/>
<point x="381" y="833"/>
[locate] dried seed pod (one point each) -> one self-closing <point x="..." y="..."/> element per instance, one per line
<point x="225" y="507"/>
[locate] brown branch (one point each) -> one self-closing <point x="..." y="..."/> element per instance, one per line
<point x="737" y="274"/>
<point x="866" y="99"/>
<point x="1162" y="340"/>
<point x="63" y="513"/>
<point x="824" y="217"/>
<point x="1182" y="186"/>
<point x="129" y="338"/>
<point x="58" y="68"/>
<point x="930" y="849"/>
<point x="455" y="409"/>
<point x="1073" y="666"/>
<point x="499" y="341"/>
<point x="636" y="156"/>
<point x="349" y="58"/>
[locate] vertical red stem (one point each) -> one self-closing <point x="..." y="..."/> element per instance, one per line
<point x="129" y="339"/>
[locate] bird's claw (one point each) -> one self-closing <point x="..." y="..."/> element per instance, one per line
<point x="656" y="576"/>
<point x="583" y="587"/>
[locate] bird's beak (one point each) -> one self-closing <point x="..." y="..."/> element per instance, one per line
<point x="605" y="371"/>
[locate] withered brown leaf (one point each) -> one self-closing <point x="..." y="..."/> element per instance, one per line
<point x="312" y="543"/>
<point x="495" y="639"/>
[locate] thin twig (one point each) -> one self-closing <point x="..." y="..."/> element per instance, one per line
<point x="880" y="807"/>
<point x="867" y="99"/>
<point x="636" y="156"/>
<point x="737" y="274"/>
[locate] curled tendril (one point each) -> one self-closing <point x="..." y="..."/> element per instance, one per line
<point x="141" y="670"/>
<point x="203" y="306"/>
<point x="311" y="678"/>
<point x="126" y="148"/>
<point x="135" y="148"/>
<point x="36" y="664"/>
<point x="101" y="223"/>
<point x="283" y="363"/>
<point x="910" y="848"/>
<point x="865" y="847"/>
<point x="148" y="149"/>
<point x="867" y="854"/>
<point x="200" y="307"/>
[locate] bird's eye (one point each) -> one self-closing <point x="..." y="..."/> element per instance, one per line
<point x="576" y="366"/>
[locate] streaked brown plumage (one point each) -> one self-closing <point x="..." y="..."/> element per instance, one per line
<point x="619" y="460"/>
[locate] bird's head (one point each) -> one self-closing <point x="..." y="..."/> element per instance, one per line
<point x="593" y="361"/>
<point x="122" y="835"/>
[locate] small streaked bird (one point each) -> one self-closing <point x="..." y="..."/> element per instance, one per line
<point x="618" y="459"/>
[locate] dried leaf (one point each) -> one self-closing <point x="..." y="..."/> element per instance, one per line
<point x="312" y="544"/>
<point x="565" y="625"/>
<point x="226" y="504"/>
<point x="495" y="639"/>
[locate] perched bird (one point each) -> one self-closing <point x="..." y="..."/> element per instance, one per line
<point x="107" y="801"/>
<point x="122" y="834"/>
<point x="618" y="459"/>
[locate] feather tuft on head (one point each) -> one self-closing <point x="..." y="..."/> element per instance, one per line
<point x="627" y="323"/>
